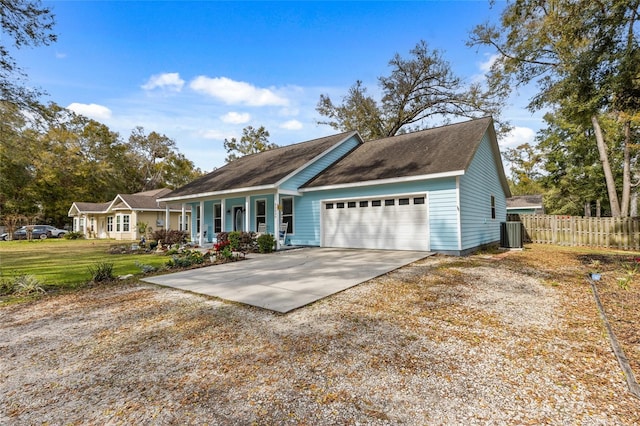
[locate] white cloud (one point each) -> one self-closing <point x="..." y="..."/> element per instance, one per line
<point x="484" y="67"/>
<point x="517" y="136"/>
<point x="168" y="81"/>
<point x="236" y="92"/>
<point x="95" y="111"/>
<point x="60" y="55"/>
<point x="236" y="117"/>
<point x="213" y="134"/>
<point x="291" y="125"/>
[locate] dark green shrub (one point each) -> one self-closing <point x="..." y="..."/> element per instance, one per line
<point x="234" y="240"/>
<point x="266" y="243"/>
<point x="74" y="235"/>
<point x="170" y="237"/>
<point x="102" y="272"/>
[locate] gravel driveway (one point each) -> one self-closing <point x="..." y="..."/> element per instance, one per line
<point x="441" y="341"/>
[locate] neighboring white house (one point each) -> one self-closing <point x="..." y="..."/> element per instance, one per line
<point x="441" y="189"/>
<point x="121" y="217"/>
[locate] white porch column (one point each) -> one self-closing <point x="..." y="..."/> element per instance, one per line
<point x="247" y="213"/>
<point x="201" y="237"/>
<point x="167" y="218"/>
<point x="276" y="219"/>
<point x="223" y="215"/>
<point x="183" y="222"/>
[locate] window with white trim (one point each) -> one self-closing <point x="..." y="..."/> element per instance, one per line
<point x="493" y="207"/>
<point x="183" y="222"/>
<point x="126" y="220"/>
<point x="261" y="212"/>
<point x="109" y="223"/>
<point x="217" y="218"/>
<point x="287" y="213"/>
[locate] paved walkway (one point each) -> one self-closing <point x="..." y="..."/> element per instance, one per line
<point x="290" y="279"/>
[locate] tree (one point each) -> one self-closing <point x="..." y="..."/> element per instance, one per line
<point x="27" y="23"/>
<point x="43" y="170"/>
<point x="584" y="56"/>
<point x="525" y="161"/>
<point x="418" y="90"/>
<point x="572" y="175"/>
<point x="251" y="142"/>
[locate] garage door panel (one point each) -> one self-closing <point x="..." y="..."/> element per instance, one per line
<point x="397" y="226"/>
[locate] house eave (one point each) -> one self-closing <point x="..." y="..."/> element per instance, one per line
<point x="205" y="195"/>
<point x="385" y="181"/>
<point x="318" y="157"/>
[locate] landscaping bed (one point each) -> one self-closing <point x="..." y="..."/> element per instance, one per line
<point x="506" y="338"/>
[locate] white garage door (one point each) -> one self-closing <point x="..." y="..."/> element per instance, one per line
<point x="394" y="223"/>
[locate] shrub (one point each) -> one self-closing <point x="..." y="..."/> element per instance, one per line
<point x="170" y="237"/>
<point x="75" y="235"/>
<point x="145" y="268"/>
<point x="234" y="240"/>
<point x="186" y="259"/>
<point x="22" y="285"/>
<point x="102" y="272"/>
<point x="265" y="243"/>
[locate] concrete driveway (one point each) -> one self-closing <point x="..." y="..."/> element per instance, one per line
<point x="287" y="280"/>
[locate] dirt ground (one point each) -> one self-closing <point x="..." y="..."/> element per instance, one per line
<point x="492" y="338"/>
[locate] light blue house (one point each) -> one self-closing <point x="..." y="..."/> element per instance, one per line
<point x="442" y="189"/>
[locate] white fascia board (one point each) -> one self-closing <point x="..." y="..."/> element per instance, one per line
<point x="73" y="206"/>
<point x="217" y="194"/>
<point x="114" y="201"/>
<point x="385" y="181"/>
<point x="317" y="157"/>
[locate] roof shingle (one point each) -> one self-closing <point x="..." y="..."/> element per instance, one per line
<point x="437" y="150"/>
<point x="264" y="168"/>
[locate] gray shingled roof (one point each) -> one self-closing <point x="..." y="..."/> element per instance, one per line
<point x="437" y="150"/>
<point x="264" y="168"/>
<point x="145" y="200"/>
<point x="92" y="207"/>
<point x="524" y="201"/>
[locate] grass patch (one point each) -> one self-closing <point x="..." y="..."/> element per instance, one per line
<point x="66" y="263"/>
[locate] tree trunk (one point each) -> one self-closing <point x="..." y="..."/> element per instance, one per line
<point x="608" y="176"/>
<point x="626" y="171"/>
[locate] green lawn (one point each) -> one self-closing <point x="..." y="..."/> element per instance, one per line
<point x="65" y="263"/>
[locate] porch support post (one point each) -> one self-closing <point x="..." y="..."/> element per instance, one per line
<point x="183" y="222"/>
<point x="247" y="213"/>
<point x="167" y="218"/>
<point x="201" y="237"/>
<point x="276" y="219"/>
<point x="223" y="215"/>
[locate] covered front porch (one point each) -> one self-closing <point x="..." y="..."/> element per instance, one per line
<point x="206" y="217"/>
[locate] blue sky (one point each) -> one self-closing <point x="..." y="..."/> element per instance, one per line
<point x="201" y="71"/>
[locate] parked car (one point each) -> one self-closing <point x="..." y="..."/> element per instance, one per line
<point x="39" y="232"/>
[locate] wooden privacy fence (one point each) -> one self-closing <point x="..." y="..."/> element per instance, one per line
<point x="610" y="232"/>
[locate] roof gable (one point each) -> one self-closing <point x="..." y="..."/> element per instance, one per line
<point x="266" y="168"/>
<point x="524" y="201"/>
<point x="429" y="152"/>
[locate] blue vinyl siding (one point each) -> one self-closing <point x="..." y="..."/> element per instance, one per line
<point x="318" y="166"/>
<point x="478" y="184"/>
<point x="441" y="196"/>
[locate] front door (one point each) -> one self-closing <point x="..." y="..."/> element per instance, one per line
<point x="238" y="219"/>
